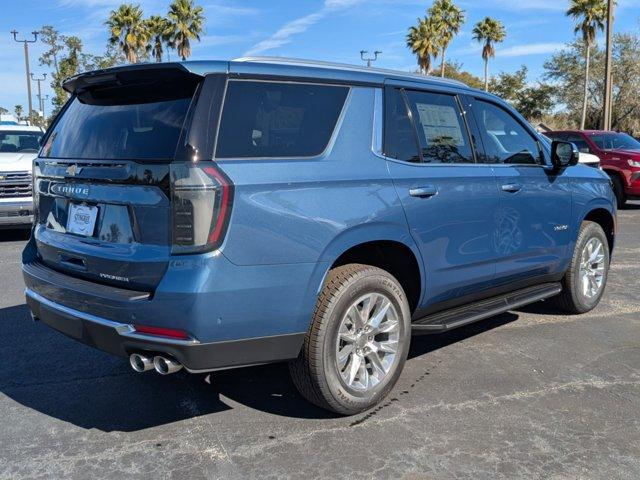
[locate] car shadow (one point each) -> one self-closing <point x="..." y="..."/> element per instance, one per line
<point x="14" y="235"/>
<point x="631" y="206"/>
<point x="61" y="378"/>
<point x="542" y="308"/>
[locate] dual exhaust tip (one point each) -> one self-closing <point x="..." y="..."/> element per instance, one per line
<point x="163" y="365"/>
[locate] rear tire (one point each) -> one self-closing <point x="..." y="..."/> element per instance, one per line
<point x="348" y="362"/>
<point x="618" y="190"/>
<point x="586" y="279"/>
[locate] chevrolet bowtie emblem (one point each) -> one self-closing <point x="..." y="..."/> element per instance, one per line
<point x="73" y="170"/>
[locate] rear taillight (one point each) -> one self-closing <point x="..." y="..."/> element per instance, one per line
<point x="35" y="174"/>
<point x="201" y="197"/>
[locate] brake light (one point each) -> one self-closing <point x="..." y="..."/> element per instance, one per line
<point x="201" y="197"/>
<point x="162" y="332"/>
<point x="35" y="173"/>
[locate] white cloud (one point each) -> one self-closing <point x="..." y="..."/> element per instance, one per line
<point x="517" y="5"/>
<point x="223" y="9"/>
<point x="283" y="36"/>
<point x="215" y="40"/>
<point x="299" y="25"/>
<point x="529" y="49"/>
<point x="100" y="3"/>
<point x="337" y="4"/>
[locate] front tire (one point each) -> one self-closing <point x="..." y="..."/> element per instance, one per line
<point x="618" y="191"/>
<point x="586" y="278"/>
<point x="357" y="343"/>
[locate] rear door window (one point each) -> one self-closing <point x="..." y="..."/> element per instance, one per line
<point x="278" y="119"/>
<point x="441" y="128"/>
<point x="400" y="139"/>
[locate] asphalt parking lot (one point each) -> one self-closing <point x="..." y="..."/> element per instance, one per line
<point x="526" y="394"/>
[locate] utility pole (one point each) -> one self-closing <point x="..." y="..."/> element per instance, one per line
<point x="608" y="74"/>
<point x="40" y="99"/>
<point x="369" y="60"/>
<point x="44" y="100"/>
<point x="26" y="63"/>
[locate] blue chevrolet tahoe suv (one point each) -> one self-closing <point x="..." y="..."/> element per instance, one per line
<point x="208" y="215"/>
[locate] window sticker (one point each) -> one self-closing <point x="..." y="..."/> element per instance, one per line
<point x="440" y="124"/>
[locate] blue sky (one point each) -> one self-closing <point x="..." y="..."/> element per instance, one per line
<point x="319" y="29"/>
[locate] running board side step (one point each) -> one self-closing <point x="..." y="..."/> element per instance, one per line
<point x="460" y="316"/>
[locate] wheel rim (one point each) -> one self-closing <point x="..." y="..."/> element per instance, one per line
<point x="367" y="341"/>
<point x="592" y="268"/>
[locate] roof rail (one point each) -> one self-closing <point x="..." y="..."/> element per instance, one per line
<point x="344" y="66"/>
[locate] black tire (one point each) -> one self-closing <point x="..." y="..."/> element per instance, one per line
<point x="315" y="372"/>
<point x="572" y="299"/>
<point x="618" y="190"/>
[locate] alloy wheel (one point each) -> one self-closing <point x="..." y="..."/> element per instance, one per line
<point x="592" y="268"/>
<point x="367" y="342"/>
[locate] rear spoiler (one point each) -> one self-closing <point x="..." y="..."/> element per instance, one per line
<point x="118" y="76"/>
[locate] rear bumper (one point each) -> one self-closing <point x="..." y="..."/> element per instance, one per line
<point x="16" y="213"/>
<point x="121" y="339"/>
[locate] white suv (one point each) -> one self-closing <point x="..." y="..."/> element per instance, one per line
<point x="19" y="145"/>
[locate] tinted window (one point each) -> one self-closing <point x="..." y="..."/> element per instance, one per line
<point x="555" y="136"/>
<point x="615" y="141"/>
<point x="135" y="122"/>
<point x="17" y="141"/>
<point x="271" y="119"/>
<point x="579" y="142"/>
<point x="400" y="140"/>
<point x="505" y="139"/>
<point x="440" y="127"/>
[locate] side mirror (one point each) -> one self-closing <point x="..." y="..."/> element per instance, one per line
<point x="564" y="154"/>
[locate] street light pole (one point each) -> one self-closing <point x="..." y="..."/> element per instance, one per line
<point x="40" y="100"/>
<point x="44" y="100"/>
<point x="369" y="59"/>
<point x="608" y="74"/>
<point x="26" y="63"/>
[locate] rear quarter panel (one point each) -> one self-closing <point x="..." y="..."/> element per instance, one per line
<point x="311" y="210"/>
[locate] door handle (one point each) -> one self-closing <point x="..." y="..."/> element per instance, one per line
<point x="423" y="192"/>
<point x="511" y="187"/>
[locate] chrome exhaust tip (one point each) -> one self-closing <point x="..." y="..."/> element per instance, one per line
<point x="140" y="363"/>
<point x="165" y="366"/>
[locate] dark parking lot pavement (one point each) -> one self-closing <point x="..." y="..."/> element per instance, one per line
<point x="531" y="393"/>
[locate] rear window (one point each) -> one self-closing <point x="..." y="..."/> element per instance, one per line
<point x="133" y="122"/>
<point x="276" y="119"/>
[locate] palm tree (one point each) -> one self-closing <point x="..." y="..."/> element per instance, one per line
<point x="448" y="20"/>
<point x="187" y="22"/>
<point x="488" y="32"/>
<point x="422" y="40"/>
<point x="159" y="29"/>
<point x="590" y="16"/>
<point x="128" y="30"/>
<point x="18" y="111"/>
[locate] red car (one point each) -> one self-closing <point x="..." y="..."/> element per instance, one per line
<point x="619" y="155"/>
